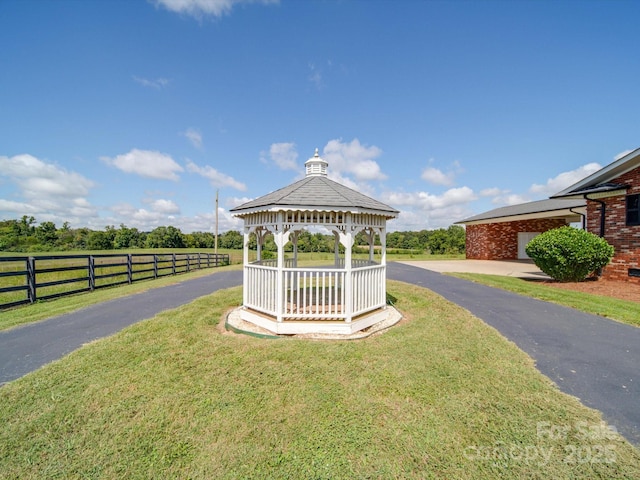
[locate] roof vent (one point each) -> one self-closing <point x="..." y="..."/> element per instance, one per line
<point x="316" y="166"/>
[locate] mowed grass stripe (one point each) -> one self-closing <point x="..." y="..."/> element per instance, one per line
<point x="441" y="395"/>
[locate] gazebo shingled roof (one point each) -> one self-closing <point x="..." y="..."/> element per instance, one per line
<point x="315" y="192"/>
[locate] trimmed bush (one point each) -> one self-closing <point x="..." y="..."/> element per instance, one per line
<point x="568" y="254"/>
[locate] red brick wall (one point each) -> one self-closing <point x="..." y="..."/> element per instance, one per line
<point x="499" y="241"/>
<point x="625" y="240"/>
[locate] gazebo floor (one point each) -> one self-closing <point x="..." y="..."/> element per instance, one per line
<point x="250" y="322"/>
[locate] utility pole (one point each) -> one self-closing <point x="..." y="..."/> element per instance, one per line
<point x="216" y="244"/>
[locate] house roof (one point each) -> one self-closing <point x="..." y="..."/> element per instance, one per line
<point x="601" y="182"/>
<point x="523" y="211"/>
<point x="316" y="192"/>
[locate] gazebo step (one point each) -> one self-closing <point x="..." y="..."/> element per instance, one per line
<point x="311" y="325"/>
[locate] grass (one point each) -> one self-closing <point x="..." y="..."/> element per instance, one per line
<point x="441" y="395"/>
<point x="621" y="310"/>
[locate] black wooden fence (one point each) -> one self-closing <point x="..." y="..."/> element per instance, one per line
<point x="27" y="279"/>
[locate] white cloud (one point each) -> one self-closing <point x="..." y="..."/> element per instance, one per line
<point x="38" y="179"/>
<point x="353" y="158"/>
<point x="146" y="163"/>
<point x="164" y="206"/>
<point x="236" y="201"/>
<point x="427" y="201"/>
<point x="194" y="136"/>
<point x="157" y="83"/>
<point x="16" y="207"/>
<point x="423" y="210"/>
<point x="507" y="199"/>
<point x="45" y="190"/>
<point x="492" y="192"/>
<point x="284" y="155"/>
<point x="564" y="180"/>
<point x="216" y="178"/>
<point x="200" y="8"/>
<point x="437" y="177"/>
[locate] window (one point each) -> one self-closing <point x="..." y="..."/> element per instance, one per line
<point x="633" y="209"/>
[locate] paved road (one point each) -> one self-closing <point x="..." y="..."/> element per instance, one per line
<point x="24" y="349"/>
<point x="590" y="357"/>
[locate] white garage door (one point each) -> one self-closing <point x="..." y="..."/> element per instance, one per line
<point x="523" y="239"/>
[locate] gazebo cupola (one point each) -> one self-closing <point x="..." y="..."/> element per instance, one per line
<point x="316" y="165"/>
<point x="342" y="297"/>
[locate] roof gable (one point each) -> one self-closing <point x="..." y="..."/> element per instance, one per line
<point x="603" y="179"/>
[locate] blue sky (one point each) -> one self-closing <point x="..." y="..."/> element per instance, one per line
<point x="136" y="112"/>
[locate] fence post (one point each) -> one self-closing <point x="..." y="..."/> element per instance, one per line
<point x="92" y="273"/>
<point x="155" y="266"/>
<point x="173" y="263"/>
<point x="199" y="267"/>
<point x="129" y="268"/>
<point x="31" y="279"/>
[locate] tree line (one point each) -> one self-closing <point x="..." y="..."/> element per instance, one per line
<point x="27" y="235"/>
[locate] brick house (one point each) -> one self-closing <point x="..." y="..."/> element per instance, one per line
<point x="613" y="212"/>
<point x="503" y="233"/>
<point x="607" y="203"/>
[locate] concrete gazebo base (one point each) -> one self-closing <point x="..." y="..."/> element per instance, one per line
<point x="244" y="319"/>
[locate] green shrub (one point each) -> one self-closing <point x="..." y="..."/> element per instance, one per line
<point x="568" y="254"/>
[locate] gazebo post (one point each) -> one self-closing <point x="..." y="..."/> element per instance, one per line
<point x="295" y="248"/>
<point x="280" y="238"/>
<point x="245" y="262"/>
<point x="336" y="249"/>
<point x="348" y="268"/>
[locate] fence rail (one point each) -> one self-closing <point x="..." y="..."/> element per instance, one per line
<point x="27" y="279"/>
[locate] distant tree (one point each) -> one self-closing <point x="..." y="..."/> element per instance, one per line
<point x="165" y="237"/>
<point x="200" y="240"/>
<point x="47" y="234"/>
<point x="126" y="237"/>
<point x="25" y="227"/>
<point x="457" y="238"/>
<point x="231" y="239"/>
<point x="98" y="240"/>
<point x="65" y="237"/>
<point x="80" y="238"/>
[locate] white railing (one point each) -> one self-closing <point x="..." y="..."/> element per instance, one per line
<point x="357" y="263"/>
<point x="260" y="288"/>
<point x="315" y="293"/>
<point x="368" y="288"/>
<point x="273" y="262"/>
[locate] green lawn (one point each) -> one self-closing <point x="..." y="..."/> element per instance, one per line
<point x="441" y="395"/>
<point x="615" y="309"/>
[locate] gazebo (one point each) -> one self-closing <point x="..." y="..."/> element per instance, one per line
<point x="343" y="297"/>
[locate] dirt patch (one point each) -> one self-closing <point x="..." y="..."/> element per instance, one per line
<point x="608" y="288"/>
